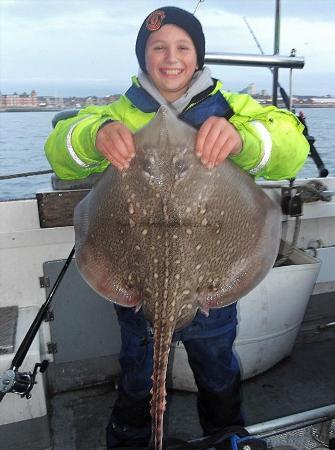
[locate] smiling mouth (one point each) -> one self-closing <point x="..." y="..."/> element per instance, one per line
<point x="171" y="72"/>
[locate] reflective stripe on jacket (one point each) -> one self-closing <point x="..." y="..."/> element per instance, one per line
<point x="274" y="146"/>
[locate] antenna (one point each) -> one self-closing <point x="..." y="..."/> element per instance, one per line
<point x="199" y="1"/>
<point x="253" y="35"/>
<point x="287" y="100"/>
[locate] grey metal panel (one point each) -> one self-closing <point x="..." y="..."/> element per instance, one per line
<point x="85" y="324"/>
<point x="30" y="434"/>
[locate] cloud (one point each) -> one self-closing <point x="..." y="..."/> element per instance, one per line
<point x="80" y="41"/>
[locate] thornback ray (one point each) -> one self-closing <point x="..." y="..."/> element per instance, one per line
<point x="173" y="237"/>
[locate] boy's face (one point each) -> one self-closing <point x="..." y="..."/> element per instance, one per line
<point x="171" y="60"/>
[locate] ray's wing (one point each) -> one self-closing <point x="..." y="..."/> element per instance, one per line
<point x="101" y="234"/>
<point x="233" y="233"/>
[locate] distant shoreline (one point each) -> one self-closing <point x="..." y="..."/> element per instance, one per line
<point x="32" y="110"/>
<point x="300" y="106"/>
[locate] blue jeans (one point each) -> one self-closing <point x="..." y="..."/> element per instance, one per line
<point x="208" y="342"/>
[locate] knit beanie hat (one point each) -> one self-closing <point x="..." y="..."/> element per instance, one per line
<point x="174" y="16"/>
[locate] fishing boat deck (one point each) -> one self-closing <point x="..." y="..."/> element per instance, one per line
<point x="301" y="382"/>
<point x="77" y="412"/>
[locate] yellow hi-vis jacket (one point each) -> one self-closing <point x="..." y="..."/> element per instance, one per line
<point x="274" y="146"/>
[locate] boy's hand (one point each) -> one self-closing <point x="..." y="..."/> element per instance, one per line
<point x="217" y="139"/>
<point x="115" y="141"/>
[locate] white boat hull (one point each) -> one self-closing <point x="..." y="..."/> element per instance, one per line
<point x="269" y="317"/>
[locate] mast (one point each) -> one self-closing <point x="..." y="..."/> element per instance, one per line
<point x="276" y="52"/>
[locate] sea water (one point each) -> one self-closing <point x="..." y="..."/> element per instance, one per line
<point x="23" y="134"/>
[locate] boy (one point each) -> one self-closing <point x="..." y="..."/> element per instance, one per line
<point x="266" y="142"/>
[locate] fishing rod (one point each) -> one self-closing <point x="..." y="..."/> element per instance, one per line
<point x="323" y="172"/>
<point x="25" y="174"/>
<point x="282" y="91"/>
<point x="22" y="382"/>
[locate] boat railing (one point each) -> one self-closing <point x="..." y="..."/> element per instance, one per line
<point x="251" y="60"/>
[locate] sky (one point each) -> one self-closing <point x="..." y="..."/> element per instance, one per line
<point x="86" y="47"/>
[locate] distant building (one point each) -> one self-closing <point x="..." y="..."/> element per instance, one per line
<point x="50" y="102"/>
<point x="323" y="100"/>
<point x="250" y="89"/>
<point x="28" y="101"/>
<point x="19" y="100"/>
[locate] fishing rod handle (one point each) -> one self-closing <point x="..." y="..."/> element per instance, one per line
<point x="29" y="337"/>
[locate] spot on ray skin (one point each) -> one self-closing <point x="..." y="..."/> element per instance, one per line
<point x="189" y="231"/>
<point x="198" y="247"/>
<point x="137" y="247"/>
<point x="145" y="231"/>
<point x="174" y="236"/>
<point x="155" y="261"/>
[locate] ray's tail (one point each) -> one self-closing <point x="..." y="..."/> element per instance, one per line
<point x="162" y="341"/>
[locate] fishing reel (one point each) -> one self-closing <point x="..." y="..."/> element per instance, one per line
<point x="20" y="383"/>
<point x="292" y="200"/>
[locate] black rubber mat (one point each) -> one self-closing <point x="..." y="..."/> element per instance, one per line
<point x="8" y="321"/>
